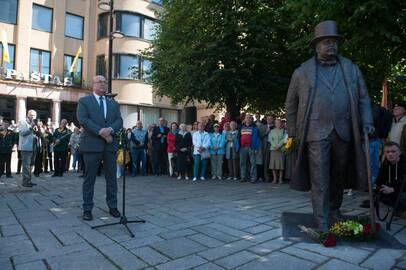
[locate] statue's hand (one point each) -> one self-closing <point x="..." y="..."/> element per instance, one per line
<point x="368" y="129"/>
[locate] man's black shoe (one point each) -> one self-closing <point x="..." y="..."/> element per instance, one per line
<point x="9" y="176"/>
<point x="243" y="180"/>
<point x="27" y="185"/>
<point x="87" y="215"/>
<point x="54" y="175"/>
<point x="82" y="175"/>
<point x="33" y="184"/>
<point x="114" y="212"/>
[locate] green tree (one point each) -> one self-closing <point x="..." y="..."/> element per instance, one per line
<point x="225" y="53"/>
<point x="241" y="53"/>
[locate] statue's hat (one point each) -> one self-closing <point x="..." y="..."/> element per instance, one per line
<point x="325" y="29"/>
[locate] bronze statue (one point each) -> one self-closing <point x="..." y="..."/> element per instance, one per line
<point x="327" y="109"/>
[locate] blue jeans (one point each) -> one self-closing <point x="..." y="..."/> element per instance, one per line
<point x="197" y="159"/>
<point x="374" y="151"/>
<point x="138" y="155"/>
<point x="248" y="153"/>
<point x="75" y="159"/>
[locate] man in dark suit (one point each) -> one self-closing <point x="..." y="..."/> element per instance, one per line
<point x="101" y="120"/>
<point x="327" y="109"/>
<point x="159" y="145"/>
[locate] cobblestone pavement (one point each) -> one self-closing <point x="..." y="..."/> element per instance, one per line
<point x="215" y="224"/>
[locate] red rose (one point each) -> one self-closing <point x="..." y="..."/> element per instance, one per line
<point x="367" y="229"/>
<point x="330" y="240"/>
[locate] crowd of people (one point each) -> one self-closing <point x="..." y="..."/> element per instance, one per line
<point x="246" y="149"/>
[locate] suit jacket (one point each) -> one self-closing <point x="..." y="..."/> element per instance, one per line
<point x="299" y="105"/>
<point x="156" y="142"/>
<point x="26" y="136"/>
<point x="92" y="120"/>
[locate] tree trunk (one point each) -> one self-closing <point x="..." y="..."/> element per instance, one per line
<point x="233" y="109"/>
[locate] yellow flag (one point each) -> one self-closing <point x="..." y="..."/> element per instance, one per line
<point x="75" y="60"/>
<point x="6" y="55"/>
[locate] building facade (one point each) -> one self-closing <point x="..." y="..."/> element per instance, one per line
<point x="43" y="38"/>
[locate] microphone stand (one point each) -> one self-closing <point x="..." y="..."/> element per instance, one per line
<point x="123" y="220"/>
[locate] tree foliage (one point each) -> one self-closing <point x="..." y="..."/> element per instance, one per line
<point x="241" y="53"/>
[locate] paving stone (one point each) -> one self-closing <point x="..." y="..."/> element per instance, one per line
<point x="268" y="247"/>
<point x="383" y="259"/>
<point x="214" y="221"/>
<point x="265" y="236"/>
<point x="176" y="248"/>
<point x="335" y="264"/>
<point x="278" y="260"/>
<point x="140" y="242"/>
<point x="230" y="231"/>
<point x="149" y="255"/>
<point x="206" y="240"/>
<point x="122" y="257"/>
<point x="221" y="236"/>
<point x="349" y="254"/>
<point x="225" y="250"/>
<point x="258" y="229"/>
<point x="183" y="263"/>
<point x="234" y="222"/>
<point x="11" y="247"/>
<point x="69" y="238"/>
<point x="307" y="255"/>
<point x="5" y="264"/>
<point x="37" y="265"/>
<point x="12" y="230"/>
<point x="177" y="234"/>
<point x="209" y="266"/>
<point x="237" y="259"/>
<point x="85" y="260"/>
<point x="44" y="254"/>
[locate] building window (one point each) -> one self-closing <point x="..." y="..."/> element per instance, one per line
<point x="101" y="65"/>
<point x="11" y="52"/>
<point x="40" y="61"/>
<point x="73" y="26"/>
<point x="102" y="25"/>
<point x="76" y="75"/>
<point x="149" y="29"/>
<point x="129" y="24"/>
<point x="146" y="70"/>
<point x="8" y="11"/>
<point x="127" y="67"/>
<point x="42" y="18"/>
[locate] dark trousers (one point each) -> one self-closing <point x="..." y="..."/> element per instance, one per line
<point x="81" y="163"/>
<point x="38" y="163"/>
<point x="59" y="162"/>
<point x="19" y="162"/>
<point x="92" y="161"/>
<point x="159" y="160"/>
<point x="5" y="163"/>
<point x="328" y="160"/>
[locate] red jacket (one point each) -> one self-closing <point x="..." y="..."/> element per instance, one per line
<point x="171" y="142"/>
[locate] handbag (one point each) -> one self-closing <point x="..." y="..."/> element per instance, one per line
<point x="120" y="157"/>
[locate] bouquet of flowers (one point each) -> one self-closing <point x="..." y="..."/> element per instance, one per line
<point x="290" y="145"/>
<point x="349" y="230"/>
